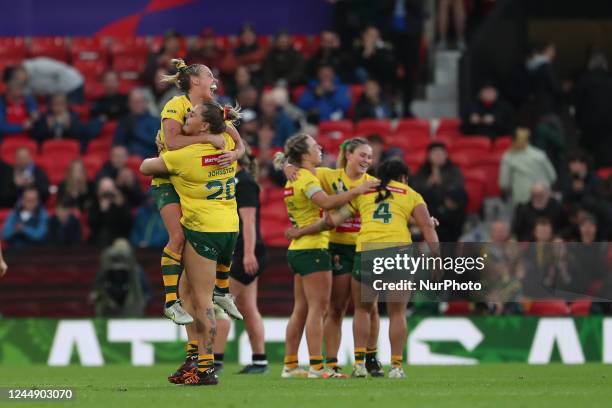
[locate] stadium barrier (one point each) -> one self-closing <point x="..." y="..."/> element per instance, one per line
<point x="432" y="340"/>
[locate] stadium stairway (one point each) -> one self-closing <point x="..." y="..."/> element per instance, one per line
<point x="441" y="95"/>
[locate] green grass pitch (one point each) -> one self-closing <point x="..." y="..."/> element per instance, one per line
<point x="489" y="385"/>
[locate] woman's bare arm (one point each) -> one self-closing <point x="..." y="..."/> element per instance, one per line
<point x="153" y="167"/>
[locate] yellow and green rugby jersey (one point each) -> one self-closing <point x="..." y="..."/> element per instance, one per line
<point x="336" y="181"/>
<point x="302" y="211"/>
<point x="177" y="109"/>
<point x="386" y="221"/>
<point x="207" y="190"/>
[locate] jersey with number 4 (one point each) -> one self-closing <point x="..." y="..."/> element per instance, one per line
<point x="207" y="190"/>
<point x="386" y="221"/>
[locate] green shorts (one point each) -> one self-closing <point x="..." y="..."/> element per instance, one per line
<point x="165" y="194"/>
<point x="216" y="246"/>
<point x="342" y="256"/>
<point x="306" y="261"/>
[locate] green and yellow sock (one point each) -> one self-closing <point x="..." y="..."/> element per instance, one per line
<point x="396" y="361"/>
<point x="371" y="355"/>
<point x="291" y="361"/>
<point x="222" y="279"/>
<point x="316" y="362"/>
<point x="331" y="362"/>
<point x="171" y="268"/>
<point x="360" y="353"/>
<point x="191" y="348"/>
<point x="205" y="362"/>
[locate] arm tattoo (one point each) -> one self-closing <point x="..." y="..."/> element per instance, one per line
<point x="212" y="331"/>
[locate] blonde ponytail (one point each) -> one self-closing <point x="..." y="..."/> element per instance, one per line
<point x="182" y="78"/>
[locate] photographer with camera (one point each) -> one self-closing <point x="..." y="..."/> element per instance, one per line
<point x="109" y="217"/>
<point x="121" y="288"/>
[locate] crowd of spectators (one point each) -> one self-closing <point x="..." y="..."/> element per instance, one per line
<point x="282" y="89"/>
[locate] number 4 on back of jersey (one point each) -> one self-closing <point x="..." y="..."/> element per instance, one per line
<point x="382" y="212"/>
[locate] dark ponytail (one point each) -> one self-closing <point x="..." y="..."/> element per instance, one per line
<point x="216" y="115"/>
<point x="389" y="170"/>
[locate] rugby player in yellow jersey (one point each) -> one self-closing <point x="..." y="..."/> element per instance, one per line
<point x="308" y="256"/>
<point x="385" y="216"/>
<point x="198" y="84"/>
<point x="209" y="220"/>
<point x="354" y="159"/>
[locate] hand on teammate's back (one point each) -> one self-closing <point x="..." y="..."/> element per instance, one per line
<point x="3" y="268"/>
<point x="291" y="172"/>
<point x="292" y="233"/>
<point x="369" y="185"/>
<point x="227" y="158"/>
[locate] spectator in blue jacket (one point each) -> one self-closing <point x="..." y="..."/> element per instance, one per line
<point x="326" y="98"/>
<point x="276" y="118"/>
<point x="148" y="230"/>
<point x="137" y="130"/>
<point x="17" y="110"/>
<point x="26" y="225"/>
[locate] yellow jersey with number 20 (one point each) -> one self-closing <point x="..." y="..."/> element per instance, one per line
<point x="386" y="221"/>
<point x="207" y="190"/>
<point x="177" y="109"/>
<point x="302" y="211"/>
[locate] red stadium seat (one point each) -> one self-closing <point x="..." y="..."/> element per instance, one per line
<point x="130" y="63"/>
<point x="414" y="125"/>
<point x="91" y="69"/>
<point x="93" y="89"/>
<point x="356" y="91"/>
<point x="369" y="126"/>
<point x="87" y="49"/>
<point x="605" y="172"/>
<point x="52" y="47"/>
<point x="129" y="47"/>
<point x="409" y="141"/>
<point x="490" y="165"/>
<point x="12" y="48"/>
<point x="108" y="130"/>
<point x="100" y="147"/>
<point x="415" y="159"/>
<point x="56" y="167"/>
<point x="475" y="181"/>
<point x="502" y="143"/>
<point x="581" y="307"/>
<point x="134" y="162"/>
<point x="65" y="148"/>
<point x="83" y="110"/>
<point x="296" y="93"/>
<point x="451" y="125"/>
<point x="344" y="127"/>
<point x="4" y="213"/>
<point x="472" y="142"/>
<point x="93" y="163"/>
<point x="332" y="133"/>
<point x="548" y="308"/>
<point x="10" y="145"/>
